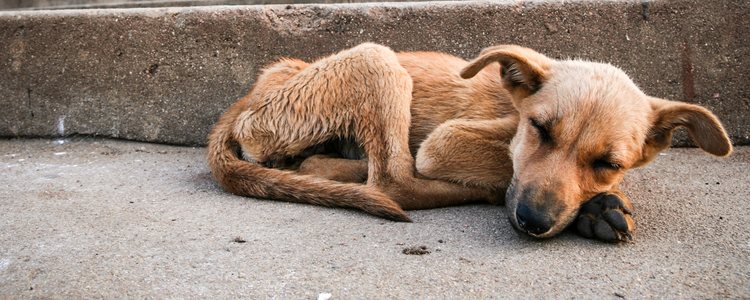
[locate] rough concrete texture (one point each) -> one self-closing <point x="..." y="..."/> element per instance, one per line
<point x="164" y="75"/>
<point x="108" y="219"/>
<point x="91" y="4"/>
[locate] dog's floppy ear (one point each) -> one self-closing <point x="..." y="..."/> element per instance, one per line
<point x="703" y="127"/>
<point x="523" y="70"/>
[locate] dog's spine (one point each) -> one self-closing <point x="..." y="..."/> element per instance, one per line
<point x="253" y="180"/>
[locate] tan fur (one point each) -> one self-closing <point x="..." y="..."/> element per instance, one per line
<point x="468" y="125"/>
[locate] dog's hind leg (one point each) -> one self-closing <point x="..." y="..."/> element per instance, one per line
<point x="294" y="107"/>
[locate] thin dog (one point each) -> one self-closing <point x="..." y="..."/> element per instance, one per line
<point x="384" y="132"/>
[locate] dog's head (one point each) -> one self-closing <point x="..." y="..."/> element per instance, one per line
<point x="582" y="126"/>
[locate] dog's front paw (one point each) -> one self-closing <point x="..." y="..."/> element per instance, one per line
<point x="606" y="217"/>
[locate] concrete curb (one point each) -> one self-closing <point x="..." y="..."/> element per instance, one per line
<point x="98" y="4"/>
<point x="165" y="74"/>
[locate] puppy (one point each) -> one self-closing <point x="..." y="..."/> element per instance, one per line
<point x="385" y="132"/>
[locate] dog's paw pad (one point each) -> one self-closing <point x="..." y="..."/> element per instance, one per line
<point x="605" y="217"/>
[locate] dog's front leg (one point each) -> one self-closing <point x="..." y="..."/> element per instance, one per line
<point x="470" y="152"/>
<point x="607" y="217"/>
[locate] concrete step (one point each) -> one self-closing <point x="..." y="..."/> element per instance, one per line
<point x="96" y="4"/>
<point x="84" y="218"/>
<point x="165" y="74"/>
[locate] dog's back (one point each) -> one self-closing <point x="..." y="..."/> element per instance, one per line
<point x="440" y="94"/>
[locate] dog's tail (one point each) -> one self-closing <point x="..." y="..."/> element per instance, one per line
<point x="251" y="179"/>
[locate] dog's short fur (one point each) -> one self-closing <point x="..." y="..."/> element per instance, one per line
<point x="380" y="131"/>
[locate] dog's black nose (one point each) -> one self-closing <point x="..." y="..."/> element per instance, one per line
<point x="531" y="220"/>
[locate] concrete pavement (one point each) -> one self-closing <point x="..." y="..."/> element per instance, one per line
<point x="92" y="218"/>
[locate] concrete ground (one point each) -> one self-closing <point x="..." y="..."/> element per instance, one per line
<point x="90" y="218"/>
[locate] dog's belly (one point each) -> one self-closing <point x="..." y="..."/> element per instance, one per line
<point x="346" y="147"/>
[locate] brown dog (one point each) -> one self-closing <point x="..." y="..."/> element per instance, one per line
<point x="557" y="135"/>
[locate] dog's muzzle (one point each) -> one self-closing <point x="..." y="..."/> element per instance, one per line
<point x="532" y="220"/>
<point x="529" y="216"/>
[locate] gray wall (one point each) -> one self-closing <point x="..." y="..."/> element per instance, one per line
<point x="165" y="75"/>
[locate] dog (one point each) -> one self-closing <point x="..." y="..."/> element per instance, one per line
<point x="384" y="132"/>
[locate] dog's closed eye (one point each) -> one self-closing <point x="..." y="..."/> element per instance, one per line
<point x="605" y="164"/>
<point x="544" y="134"/>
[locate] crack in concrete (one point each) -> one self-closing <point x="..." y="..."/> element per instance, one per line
<point x="28" y="98"/>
